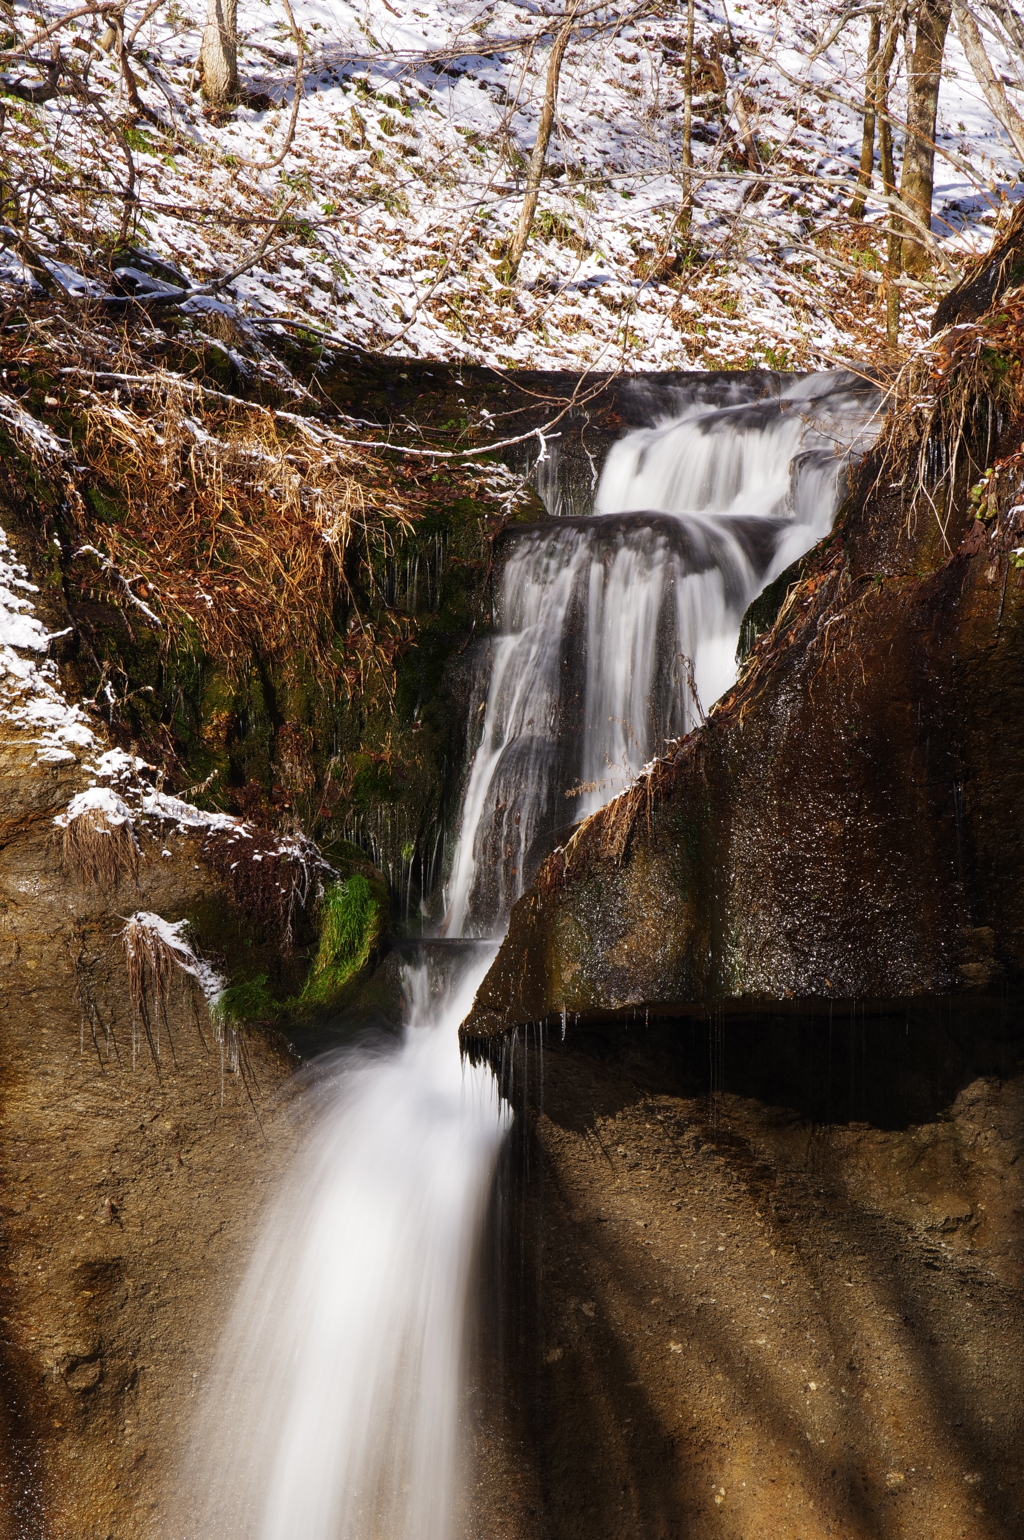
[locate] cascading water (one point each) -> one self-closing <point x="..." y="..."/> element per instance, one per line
<point x="333" y="1408"/>
<point x="618" y="630"/>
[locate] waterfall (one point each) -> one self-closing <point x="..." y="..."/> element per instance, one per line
<point x="333" y="1412"/>
<point x="333" y="1408"/>
<point x="618" y="631"/>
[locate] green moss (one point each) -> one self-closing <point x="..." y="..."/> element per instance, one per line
<point x="246" y="1000"/>
<point x="762" y="614"/>
<point x="352" y="917"/>
<point x="373" y="784"/>
<point x="102" y="506"/>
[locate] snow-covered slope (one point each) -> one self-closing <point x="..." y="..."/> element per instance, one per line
<point x="405" y="174"/>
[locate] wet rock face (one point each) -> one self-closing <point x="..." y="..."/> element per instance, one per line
<point x="845" y="827"/>
<point x="727" y="1319"/>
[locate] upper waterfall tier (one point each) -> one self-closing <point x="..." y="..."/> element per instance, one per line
<point x="738" y="458"/>
<point x="617" y="629"/>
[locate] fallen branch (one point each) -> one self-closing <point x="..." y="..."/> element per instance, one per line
<point x="110" y="567"/>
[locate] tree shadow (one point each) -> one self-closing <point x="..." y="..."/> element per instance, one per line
<point x="605" y="1459"/>
<point x="831" y="1062"/>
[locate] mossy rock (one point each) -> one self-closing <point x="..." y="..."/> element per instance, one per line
<point x="763" y="612"/>
<point x="353" y="915"/>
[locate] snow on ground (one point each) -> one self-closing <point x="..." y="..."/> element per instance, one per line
<point x="406" y="168"/>
<point x="31" y="696"/>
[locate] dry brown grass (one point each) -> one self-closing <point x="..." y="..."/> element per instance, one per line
<point x="945" y="408"/>
<point x="153" y="967"/>
<point x="100" y="849"/>
<point x="218" y="522"/>
<point x="233" y="523"/>
<point x="271" y="881"/>
<point x="155" y="962"/>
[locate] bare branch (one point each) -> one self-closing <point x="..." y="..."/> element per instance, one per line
<point x="37" y="94"/>
<point x="991" y="86"/>
<point x="100" y="8"/>
<point x="540" y="148"/>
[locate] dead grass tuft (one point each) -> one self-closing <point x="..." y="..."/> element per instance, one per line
<point x="946" y="406"/>
<point x="101" y="847"/>
<point x="154" y="963"/>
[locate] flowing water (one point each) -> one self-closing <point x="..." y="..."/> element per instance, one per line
<point x="335" y="1398"/>
<point x="618" y="630"/>
<point x="333" y="1409"/>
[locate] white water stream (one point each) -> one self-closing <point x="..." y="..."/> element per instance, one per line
<point x="617" y="630"/>
<point x="333" y="1408"/>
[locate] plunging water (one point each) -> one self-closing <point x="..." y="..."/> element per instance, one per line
<point x="618" y="631"/>
<point x="333" y="1407"/>
<point x="335" y="1398"/>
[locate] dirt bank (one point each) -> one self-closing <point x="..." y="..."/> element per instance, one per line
<point x="134" y="1149"/>
<point x="727" y="1320"/>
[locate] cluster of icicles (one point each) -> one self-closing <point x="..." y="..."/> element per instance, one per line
<point x="332" y="1411"/>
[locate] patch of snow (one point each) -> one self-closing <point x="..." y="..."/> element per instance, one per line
<point x="160" y="804"/>
<point x="407" y="164"/>
<point x="33" y="434"/>
<point x="175" y="937"/>
<point x="96" y="799"/>
<point x="116" y="765"/>
<point x="30" y="692"/>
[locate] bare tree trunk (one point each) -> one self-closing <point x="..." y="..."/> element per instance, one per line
<point x="1012" y="25"/>
<point x="992" y="87"/>
<point x="687" y="204"/>
<point x="219" y="53"/>
<point x="885" y="165"/>
<point x="535" y="170"/>
<point x="749" y="138"/>
<point x="923" y="78"/>
<point x="131" y="84"/>
<point x="867" y="146"/>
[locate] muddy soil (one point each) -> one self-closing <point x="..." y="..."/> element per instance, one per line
<point x="128" y="1203"/>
